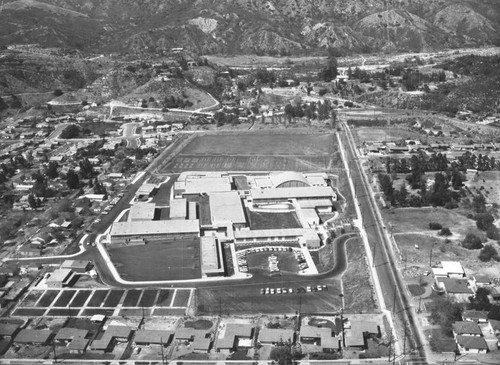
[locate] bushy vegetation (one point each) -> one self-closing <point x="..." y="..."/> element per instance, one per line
<point x="472" y="242"/>
<point x="488" y="253"/>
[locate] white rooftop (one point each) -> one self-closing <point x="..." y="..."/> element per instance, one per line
<point x="154" y="227"/>
<point x="290" y="193"/>
<point x="453" y="267"/>
<point x="226" y="207"/>
<point x="141" y="212"/>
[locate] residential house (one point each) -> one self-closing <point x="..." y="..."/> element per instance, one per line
<point x="320" y="336"/>
<point x="273" y="336"/>
<point x="471" y="345"/>
<point x="153" y="337"/>
<point x="475" y="316"/>
<point x="199" y="340"/>
<point x="9" y="329"/>
<point x="466" y="328"/>
<point x="73" y="338"/>
<point x="458" y="288"/>
<point x="235" y="336"/>
<point x="110" y="336"/>
<point x="32" y="336"/>
<point x="357" y="332"/>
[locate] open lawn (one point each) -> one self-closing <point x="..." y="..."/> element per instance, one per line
<point x="169" y="260"/>
<point x="248" y="163"/>
<point x="258" y="151"/>
<point x="181" y="298"/>
<point x="265" y="220"/>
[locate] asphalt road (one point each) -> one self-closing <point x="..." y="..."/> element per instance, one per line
<point x="392" y="289"/>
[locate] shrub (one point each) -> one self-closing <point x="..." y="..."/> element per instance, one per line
<point x="484" y="221"/>
<point x="493" y="233"/>
<point x="472" y="242"/>
<point x="58" y="92"/>
<point x="435" y="226"/>
<point x="487" y="253"/>
<point x="445" y="232"/>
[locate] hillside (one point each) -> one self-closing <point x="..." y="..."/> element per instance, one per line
<point x="251" y="26"/>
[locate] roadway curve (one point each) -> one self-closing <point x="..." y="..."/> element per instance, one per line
<point x="392" y="286"/>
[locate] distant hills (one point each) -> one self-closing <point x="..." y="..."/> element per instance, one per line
<point x="251" y="26"/>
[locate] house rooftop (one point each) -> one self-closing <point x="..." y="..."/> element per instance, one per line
<point x="453" y="267"/>
<point x="466" y="328"/>
<point x="474" y="315"/>
<point x="153" y="336"/>
<point x="33" y="336"/>
<point x="232" y="332"/>
<point x="472" y="342"/>
<point x="276" y="335"/>
<point x="8" y="329"/>
<point x="455" y="286"/>
<point x="68" y="333"/>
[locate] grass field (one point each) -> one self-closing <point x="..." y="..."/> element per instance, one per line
<point x="257" y="151"/>
<point x="378" y="134"/>
<point x="131" y="298"/>
<point x="265" y="220"/>
<point x="172" y="260"/>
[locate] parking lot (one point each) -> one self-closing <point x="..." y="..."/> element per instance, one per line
<point x="111" y="302"/>
<point x="271" y="260"/>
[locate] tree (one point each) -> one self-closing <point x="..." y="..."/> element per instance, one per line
<point x="3" y="105"/>
<point x="487" y="253"/>
<point x="472" y="242"/>
<point x="86" y="169"/>
<point x="282" y="353"/>
<point x="72" y="179"/>
<point x="435" y="226"/>
<point x="51" y="170"/>
<point x="494" y="312"/>
<point x="71" y="131"/>
<point x="32" y="201"/>
<point x="479" y="203"/>
<point x="445" y="313"/>
<point x="330" y="72"/>
<point x="57" y="92"/>
<point x="445" y="231"/>
<point x="484" y="221"/>
<point x="493" y="233"/>
<point x="480" y="301"/>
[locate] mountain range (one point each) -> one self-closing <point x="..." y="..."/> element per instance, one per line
<point x="251" y="26"/>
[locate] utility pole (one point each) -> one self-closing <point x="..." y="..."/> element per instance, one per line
<point x="54" y="349"/>
<point x="220" y="307"/>
<point x="430" y="256"/>
<point x="162" y="354"/>
<point x="394" y="301"/>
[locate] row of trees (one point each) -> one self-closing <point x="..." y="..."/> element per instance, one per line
<point x="320" y="111"/>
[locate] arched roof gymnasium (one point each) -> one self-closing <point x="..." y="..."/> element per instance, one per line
<point x="289" y="180"/>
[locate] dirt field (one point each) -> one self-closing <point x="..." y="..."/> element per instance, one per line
<point x="364" y="134"/>
<point x="358" y="287"/>
<point x="489" y="181"/>
<point x="158" y="261"/>
<point x="258" y="151"/>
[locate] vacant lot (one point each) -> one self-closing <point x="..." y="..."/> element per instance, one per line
<point x="265" y="220"/>
<point x="409" y="220"/>
<point x="418" y="259"/>
<point x="358" y="287"/>
<point x="169" y="260"/>
<point x="258" y="151"/>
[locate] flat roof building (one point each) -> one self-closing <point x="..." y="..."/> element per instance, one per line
<point x="226" y="207"/>
<point x="316" y="192"/>
<point x="178" y="208"/>
<point x="79" y="266"/>
<point x="141" y="212"/>
<point x="235" y="335"/>
<point x="60" y="278"/>
<point x="140" y="232"/>
<point x="212" y="263"/>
